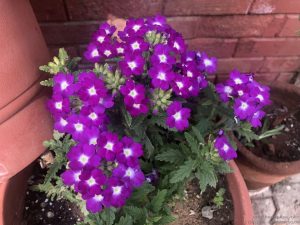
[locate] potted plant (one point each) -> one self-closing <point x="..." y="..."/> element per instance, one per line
<point x="24" y="121"/>
<point x="272" y="159"/>
<point x="138" y="127"/>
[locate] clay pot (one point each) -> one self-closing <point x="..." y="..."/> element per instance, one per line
<point x="243" y="212"/>
<point x="24" y="120"/>
<point x="258" y="172"/>
<point x="12" y="197"/>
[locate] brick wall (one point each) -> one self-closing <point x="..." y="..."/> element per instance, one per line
<point x="250" y="35"/>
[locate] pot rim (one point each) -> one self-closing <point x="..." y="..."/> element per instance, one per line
<point x="282" y="93"/>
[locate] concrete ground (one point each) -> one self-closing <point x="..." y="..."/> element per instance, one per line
<point x="278" y="204"/>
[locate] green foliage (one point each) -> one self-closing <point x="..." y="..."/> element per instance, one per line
<point x="62" y="63"/>
<point x="218" y="200"/>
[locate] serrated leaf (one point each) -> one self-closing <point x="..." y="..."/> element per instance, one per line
<point x="127" y="220"/>
<point x="170" y="155"/>
<point x="148" y="147"/>
<point x="198" y="134"/>
<point x="140" y="194"/>
<point x="138" y="214"/>
<point x="158" y="200"/>
<point x="166" y="220"/>
<point x="183" y="172"/>
<point x="206" y="176"/>
<point x="108" y="215"/>
<point x="192" y="142"/>
<point x="223" y="168"/>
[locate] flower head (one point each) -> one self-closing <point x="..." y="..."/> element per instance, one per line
<point x="225" y="150"/>
<point x="132" y="64"/>
<point x="178" y="116"/>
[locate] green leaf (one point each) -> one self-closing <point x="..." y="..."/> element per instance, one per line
<point x="223" y="168"/>
<point x="170" y="155"/>
<point x="47" y="83"/>
<point x="198" y="134"/>
<point x="138" y="214"/>
<point x="148" y="147"/>
<point x="183" y="172"/>
<point x="127" y="220"/>
<point x="166" y="220"/>
<point x="158" y="200"/>
<point x="140" y="194"/>
<point x="206" y="176"/>
<point x="192" y="142"/>
<point x="108" y="215"/>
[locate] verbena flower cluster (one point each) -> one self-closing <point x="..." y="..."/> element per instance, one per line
<point x="248" y="97"/>
<point x="102" y="168"/>
<point x="151" y="52"/>
<point x="150" y="72"/>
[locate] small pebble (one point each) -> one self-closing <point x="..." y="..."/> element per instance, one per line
<point x="46" y="200"/>
<point x="192" y="212"/>
<point x="43" y="204"/>
<point x="26" y="208"/>
<point x="288" y="187"/>
<point x="198" y="196"/>
<point x="50" y="214"/>
<point x="37" y="201"/>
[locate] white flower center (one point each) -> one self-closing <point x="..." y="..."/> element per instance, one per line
<point x="92" y="91"/>
<point x="78" y="127"/>
<point x="129" y="173"/>
<point x="109" y="146"/>
<point x="127" y="152"/>
<point x="132" y="65"/>
<point x="76" y="176"/>
<point x="93" y="116"/>
<point x="120" y="50"/>
<point x="179" y="84"/>
<point x="95" y="53"/>
<point x="161" y="76"/>
<point x="189" y="59"/>
<point x="157" y="23"/>
<point x="93" y="141"/>
<point x="240" y="92"/>
<point x="244" y="106"/>
<point x="162" y="58"/>
<point x="260" y="97"/>
<point x="238" y="81"/>
<point x="135" y="46"/>
<point x="176" y="45"/>
<point x="137" y="106"/>
<point x="91" y="181"/>
<point x="207" y="62"/>
<point x="63" y="122"/>
<point x="107" y="53"/>
<point x="227" y="90"/>
<point x="117" y="190"/>
<point x="225" y="147"/>
<point x="133" y="93"/>
<point x="98" y="198"/>
<point x="177" y="116"/>
<point x="64" y="85"/>
<point x="101" y="39"/>
<point x="189" y="73"/>
<point x="58" y="105"/>
<point x="83" y="159"/>
<point x="136" y="27"/>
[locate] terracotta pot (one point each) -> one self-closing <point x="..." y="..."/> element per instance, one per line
<point x="243" y="212"/>
<point x="259" y="172"/>
<point x="12" y="197"/>
<point x="24" y="121"/>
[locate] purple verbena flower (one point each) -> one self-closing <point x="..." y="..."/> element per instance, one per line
<point x="162" y="55"/>
<point x="92" y="53"/>
<point x="109" y="146"/>
<point x="63" y="84"/>
<point x="178" y="116"/>
<point x="161" y="76"/>
<point x="225" y="150"/>
<point x="130" y="175"/>
<point x="132" y="64"/>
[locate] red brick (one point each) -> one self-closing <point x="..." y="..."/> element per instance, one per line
<point x="99" y="9"/>
<point x="238" y="26"/>
<point x="253" y="47"/>
<point x="49" y="10"/>
<point x="206" y="7"/>
<point x="285" y="78"/>
<point x="275" y="26"/>
<point x="68" y="33"/>
<point x="281" y="64"/>
<point x="275" y="6"/>
<point x="291" y="27"/>
<point x="213" y="46"/>
<point x="244" y="65"/>
<point x="185" y="25"/>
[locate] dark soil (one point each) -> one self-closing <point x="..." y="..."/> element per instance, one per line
<point x="286" y="146"/>
<point x="40" y="210"/>
<point x="189" y="210"/>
